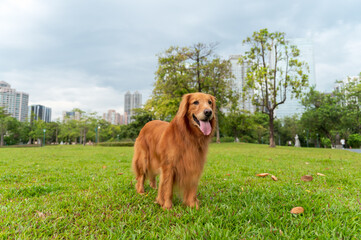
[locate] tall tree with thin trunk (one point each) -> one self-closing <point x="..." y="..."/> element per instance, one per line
<point x="275" y="74"/>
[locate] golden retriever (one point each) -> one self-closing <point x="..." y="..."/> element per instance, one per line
<point x="176" y="150"/>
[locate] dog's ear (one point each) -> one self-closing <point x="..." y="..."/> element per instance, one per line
<point x="183" y="106"/>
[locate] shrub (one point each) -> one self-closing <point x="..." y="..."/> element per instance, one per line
<point x="354" y="140"/>
<point x="326" y="142"/>
<point x="116" y="144"/>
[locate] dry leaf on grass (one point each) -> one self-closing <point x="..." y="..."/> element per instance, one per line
<point x="307" y="178"/>
<point x="262" y="174"/>
<point x="120" y="173"/>
<point x="321" y="174"/>
<point x="297" y="210"/>
<point x="40" y="214"/>
<point x="274" y="178"/>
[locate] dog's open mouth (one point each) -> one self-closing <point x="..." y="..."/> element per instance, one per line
<point x="204" y="126"/>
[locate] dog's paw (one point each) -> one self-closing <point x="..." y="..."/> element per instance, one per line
<point x="193" y="204"/>
<point x="159" y="201"/>
<point x="167" y="205"/>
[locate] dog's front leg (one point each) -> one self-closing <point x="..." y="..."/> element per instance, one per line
<point x="190" y="196"/>
<point x="165" y="191"/>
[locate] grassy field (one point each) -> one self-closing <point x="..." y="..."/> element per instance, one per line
<point x="81" y="192"/>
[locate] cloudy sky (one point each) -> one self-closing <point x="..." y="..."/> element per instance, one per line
<point x="87" y="53"/>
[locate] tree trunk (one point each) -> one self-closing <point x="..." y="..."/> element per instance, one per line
<point x="272" y="142"/>
<point x="84" y="138"/>
<point x="56" y="136"/>
<point x="2" y="140"/>
<point x="217" y="134"/>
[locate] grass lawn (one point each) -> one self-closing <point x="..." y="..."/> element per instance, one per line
<point x="81" y="192"/>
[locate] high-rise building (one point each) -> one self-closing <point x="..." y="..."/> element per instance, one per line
<point x="113" y="117"/>
<point x="131" y="102"/>
<point x="240" y="72"/>
<point x="14" y="103"/>
<point x="293" y="106"/>
<point x="71" y="116"/>
<point x="39" y="112"/>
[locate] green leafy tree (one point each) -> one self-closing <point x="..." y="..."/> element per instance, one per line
<point x="140" y="118"/>
<point x="323" y="113"/>
<point x="261" y="125"/>
<point x="6" y="122"/>
<point x="239" y="124"/>
<point x="349" y="97"/>
<point x="36" y="133"/>
<point x="186" y="70"/>
<point x="275" y="73"/>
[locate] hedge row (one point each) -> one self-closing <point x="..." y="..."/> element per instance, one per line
<point x="116" y="144"/>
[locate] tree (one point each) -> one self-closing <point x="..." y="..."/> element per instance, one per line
<point x="239" y="123"/>
<point x="349" y="97"/>
<point x="140" y="118"/>
<point x="323" y="113"/>
<point x="275" y="72"/>
<point x="186" y="70"/>
<point x="6" y="121"/>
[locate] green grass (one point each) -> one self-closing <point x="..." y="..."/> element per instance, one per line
<point x="77" y="192"/>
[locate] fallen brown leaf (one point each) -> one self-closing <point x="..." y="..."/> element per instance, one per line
<point x="321" y="174"/>
<point x="307" y="178"/>
<point x="297" y="210"/>
<point x="120" y="173"/>
<point x="274" y="178"/>
<point x="40" y="214"/>
<point x="262" y="174"/>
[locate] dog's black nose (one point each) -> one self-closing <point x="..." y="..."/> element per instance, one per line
<point x="208" y="112"/>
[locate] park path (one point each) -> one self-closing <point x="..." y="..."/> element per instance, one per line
<point x="354" y="150"/>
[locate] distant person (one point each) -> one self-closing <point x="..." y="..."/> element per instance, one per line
<point x="343" y="143"/>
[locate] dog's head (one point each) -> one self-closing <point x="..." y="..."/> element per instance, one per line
<point x="199" y="110"/>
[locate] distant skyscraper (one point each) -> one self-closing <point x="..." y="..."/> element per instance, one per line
<point x="240" y="72"/>
<point x="39" y="112"/>
<point x="293" y="106"/>
<point x="113" y="117"/>
<point x="14" y="103"/>
<point x="131" y="102"/>
<point x="71" y="116"/>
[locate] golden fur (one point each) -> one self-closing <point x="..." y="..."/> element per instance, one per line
<point x="176" y="150"/>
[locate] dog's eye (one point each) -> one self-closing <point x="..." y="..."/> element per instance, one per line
<point x="196" y="103"/>
<point x="209" y="102"/>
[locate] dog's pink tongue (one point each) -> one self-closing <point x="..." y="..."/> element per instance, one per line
<point x="205" y="127"/>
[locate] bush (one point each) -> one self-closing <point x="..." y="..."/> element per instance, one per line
<point x="354" y="140"/>
<point x="326" y="142"/>
<point x="22" y="146"/>
<point x="116" y="144"/>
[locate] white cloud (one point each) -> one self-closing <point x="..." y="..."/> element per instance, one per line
<point x="19" y="23"/>
<point x="87" y="54"/>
